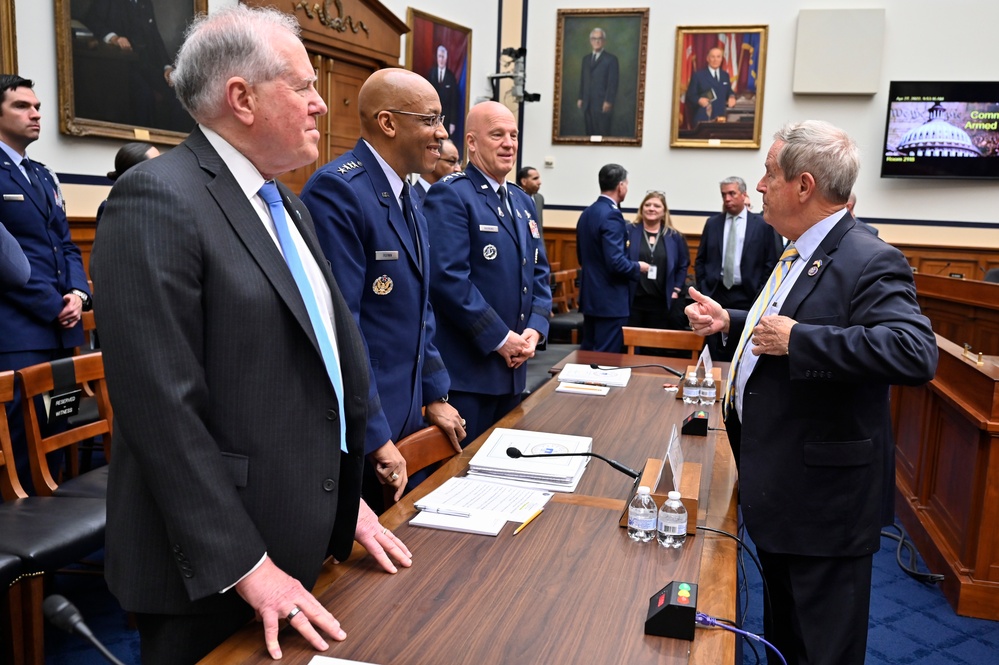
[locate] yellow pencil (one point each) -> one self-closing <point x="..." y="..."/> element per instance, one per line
<point x="528" y="521"/>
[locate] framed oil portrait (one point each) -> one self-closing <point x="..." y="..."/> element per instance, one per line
<point x="8" y="49"/>
<point x="114" y="59"/>
<point x="718" y="86"/>
<point x="441" y="51"/>
<point x="600" y="76"/>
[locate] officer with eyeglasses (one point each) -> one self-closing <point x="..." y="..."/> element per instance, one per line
<point x="448" y="163"/>
<point x="376" y="240"/>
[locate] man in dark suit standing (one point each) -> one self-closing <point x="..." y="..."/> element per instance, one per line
<point x="598" y="86"/>
<point x="735" y="255"/>
<point x="375" y="237"/>
<point x="446" y="85"/>
<point x="530" y="181"/>
<point x="237" y="372"/>
<point x="40" y="319"/>
<point x="807" y="414"/>
<point x="709" y="92"/>
<point x="610" y="266"/>
<point x="488" y="273"/>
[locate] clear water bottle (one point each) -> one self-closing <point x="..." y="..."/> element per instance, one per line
<point x="709" y="391"/>
<point x="642" y="516"/>
<point x="672" y="522"/>
<point x="691" y="389"/>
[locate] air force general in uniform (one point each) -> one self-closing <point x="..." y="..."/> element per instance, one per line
<point x="376" y="240"/>
<point x="489" y="273"/>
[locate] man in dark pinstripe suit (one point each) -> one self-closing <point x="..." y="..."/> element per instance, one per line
<point x="228" y="485"/>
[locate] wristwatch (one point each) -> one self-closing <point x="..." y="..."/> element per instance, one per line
<point x="87" y="304"/>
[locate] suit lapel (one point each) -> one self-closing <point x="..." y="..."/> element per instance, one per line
<point x="393" y="210"/>
<point x="18" y="179"/>
<point x="243" y="219"/>
<point x="820" y="261"/>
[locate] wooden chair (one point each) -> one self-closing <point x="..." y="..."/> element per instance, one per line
<point x="421" y="449"/>
<point x="566" y="322"/>
<point x="43" y="534"/>
<point x="87" y="370"/>
<point x="657" y="338"/>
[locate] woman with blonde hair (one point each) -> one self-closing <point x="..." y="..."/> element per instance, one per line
<point x="665" y="250"/>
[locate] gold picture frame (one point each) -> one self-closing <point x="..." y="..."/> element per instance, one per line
<point x="427" y="35"/>
<point x="600" y="99"/>
<point x="722" y="109"/>
<point x="114" y="84"/>
<point x="8" y="27"/>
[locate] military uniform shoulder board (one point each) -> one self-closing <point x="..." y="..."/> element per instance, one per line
<point x="347" y="167"/>
<point x="452" y="177"/>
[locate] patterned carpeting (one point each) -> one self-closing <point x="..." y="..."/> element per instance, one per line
<point x="911" y="623"/>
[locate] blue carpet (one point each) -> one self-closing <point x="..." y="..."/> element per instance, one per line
<point x="911" y="623"/>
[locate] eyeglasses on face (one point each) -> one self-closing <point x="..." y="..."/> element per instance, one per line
<point x="452" y="162"/>
<point x="429" y="119"/>
<point x="656" y="191"/>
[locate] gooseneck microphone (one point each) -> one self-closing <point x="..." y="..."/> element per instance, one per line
<point x="63" y="614"/>
<point x="672" y="371"/>
<point x="516" y="453"/>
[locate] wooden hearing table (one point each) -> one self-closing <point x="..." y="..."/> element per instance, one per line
<point x="572" y="588"/>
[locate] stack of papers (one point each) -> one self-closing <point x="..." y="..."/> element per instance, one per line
<point x="477" y="506"/>
<point x="560" y="474"/>
<point x="588" y="376"/>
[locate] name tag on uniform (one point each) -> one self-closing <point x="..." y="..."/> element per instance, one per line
<point x="386" y="256"/>
<point x="13" y="197"/>
<point x="488" y="228"/>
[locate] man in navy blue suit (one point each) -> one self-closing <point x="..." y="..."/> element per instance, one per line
<point x="736" y="254"/>
<point x="611" y="268"/>
<point x="808" y="412"/>
<point x="39" y="321"/>
<point x="598" y="83"/>
<point x="709" y="92"/>
<point x="376" y="241"/>
<point x="488" y="273"/>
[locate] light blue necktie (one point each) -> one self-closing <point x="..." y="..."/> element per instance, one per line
<point x="269" y="193"/>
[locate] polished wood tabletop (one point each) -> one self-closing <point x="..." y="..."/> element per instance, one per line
<point x="571" y="588"/>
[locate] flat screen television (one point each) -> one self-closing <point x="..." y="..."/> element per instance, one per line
<point x="942" y="129"/>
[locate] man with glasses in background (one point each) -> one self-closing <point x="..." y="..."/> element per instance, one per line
<point x="376" y="240"/>
<point x="448" y="163"/>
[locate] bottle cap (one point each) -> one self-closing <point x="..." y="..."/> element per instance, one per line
<point x="674" y="495"/>
<point x="692" y="375"/>
<point x="644" y="490"/>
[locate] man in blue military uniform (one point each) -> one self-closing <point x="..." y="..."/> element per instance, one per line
<point x="611" y="268"/>
<point x="39" y="321"/>
<point x="488" y="273"/>
<point x="377" y="243"/>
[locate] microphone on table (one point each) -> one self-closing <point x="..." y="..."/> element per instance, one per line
<point x="946" y="265"/>
<point x="672" y="371"/>
<point x="516" y="453"/>
<point x="63" y="614"/>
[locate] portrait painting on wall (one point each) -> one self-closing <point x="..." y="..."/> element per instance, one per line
<point x="718" y="86"/>
<point x="115" y="58"/>
<point x="600" y="76"/>
<point x="441" y="51"/>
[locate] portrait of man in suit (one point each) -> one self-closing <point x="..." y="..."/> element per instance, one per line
<point x="600" y="81"/>
<point x="709" y="93"/>
<point x="446" y="86"/>
<point x="121" y="55"/>
<point x="598" y="85"/>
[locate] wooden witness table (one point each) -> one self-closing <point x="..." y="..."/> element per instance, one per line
<point x="571" y="588"/>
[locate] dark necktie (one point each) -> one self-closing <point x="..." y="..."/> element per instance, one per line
<point x="505" y="200"/>
<point x="33" y="180"/>
<point x="716" y="74"/>
<point x="272" y="197"/>
<point x="410" y="215"/>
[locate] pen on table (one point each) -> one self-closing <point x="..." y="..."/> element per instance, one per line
<point x="444" y="511"/>
<point x="528" y="521"/>
<point x="586" y="383"/>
